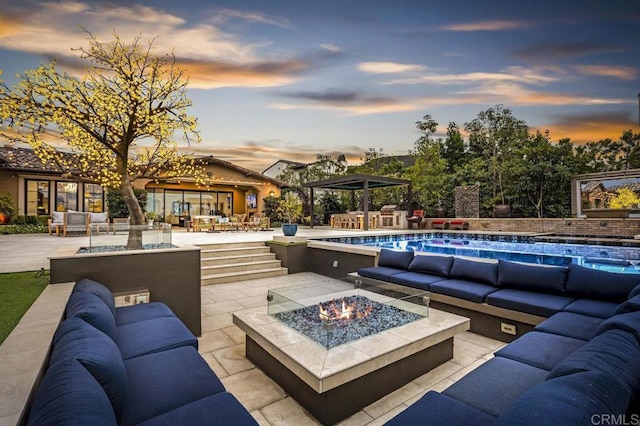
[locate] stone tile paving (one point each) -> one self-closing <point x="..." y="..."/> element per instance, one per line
<point x="222" y="345"/>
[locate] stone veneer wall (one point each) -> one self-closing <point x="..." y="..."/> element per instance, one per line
<point x="606" y="227"/>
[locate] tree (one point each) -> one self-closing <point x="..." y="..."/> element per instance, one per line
<point x="624" y="199"/>
<point x="493" y="136"/>
<point x="427" y="173"/>
<point x="117" y="120"/>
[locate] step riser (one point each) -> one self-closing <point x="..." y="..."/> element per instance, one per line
<point x="241" y="277"/>
<point x="230" y="245"/>
<point x="212" y="261"/>
<point x="234" y="252"/>
<point x="242" y="267"/>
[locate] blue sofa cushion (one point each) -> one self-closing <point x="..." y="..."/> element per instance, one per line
<point x="93" y="310"/>
<point x="462" y="289"/>
<point x="629" y="322"/>
<point x="438" y="409"/>
<point x="479" y="272"/>
<point x="542" y="350"/>
<point x="97" y="353"/>
<point x="635" y="292"/>
<point x="69" y="395"/>
<point x="142" y="312"/>
<point x="415" y="279"/>
<point x="164" y="381"/>
<point x="221" y="409"/>
<point x="381" y="273"/>
<point x="494" y="385"/>
<point x="540" y="304"/>
<point x="543" y="279"/>
<point x="591" y="283"/>
<point x="146" y="337"/>
<point x="99" y="290"/>
<point x="395" y="259"/>
<point x="570" y="325"/>
<point x="631" y="305"/>
<point x="613" y="352"/>
<point x="577" y="399"/>
<point x="594" y="308"/>
<point x="432" y="264"/>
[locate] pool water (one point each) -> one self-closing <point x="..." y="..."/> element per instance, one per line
<point x="614" y="258"/>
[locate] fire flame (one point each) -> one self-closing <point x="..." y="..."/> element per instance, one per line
<point x="343" y="311"/>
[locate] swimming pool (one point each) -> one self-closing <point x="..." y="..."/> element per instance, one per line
<point x="623" y="258"/>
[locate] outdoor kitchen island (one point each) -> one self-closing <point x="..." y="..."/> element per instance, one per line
<point x="355" y="343"/>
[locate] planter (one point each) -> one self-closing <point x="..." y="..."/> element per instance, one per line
<point x="501" y="210"/>
<point x="439" y="212"/>
<point x="607" y="213"/>
<point x="289" y="229"/>
<point x="4" y="218"/>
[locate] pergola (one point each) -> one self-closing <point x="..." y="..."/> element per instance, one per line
<point x="357" y="182"/>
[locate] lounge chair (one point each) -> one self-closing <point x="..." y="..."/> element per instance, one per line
<point x="416" y="218"/>
<point x="120" y="224"/>
<point x="75" y="222"/>
<point x="56" y="222"/>
<point x="99" y="221"/>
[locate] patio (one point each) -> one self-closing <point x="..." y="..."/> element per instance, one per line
<point x="222" y="343"/>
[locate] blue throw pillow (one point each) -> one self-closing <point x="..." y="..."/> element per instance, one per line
<point x="395" y="259"/>
<point x="479" y="272"/>
<point x="93" y="310"/>
<point x="99" y="290"/>
<point x="536" y="278"/>
<point x="631" y="305"/>
<point x="97" y="353"/>
<point x="432" y="264"/>
<point x="600" y="285"/>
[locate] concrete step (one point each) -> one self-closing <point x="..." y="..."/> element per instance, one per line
<point x="240" y="276"/>
<point x="241" y="267"/>
<point x="232" y="260"/>
<point x="233" y="251"/>
<point x="231" y="245"/>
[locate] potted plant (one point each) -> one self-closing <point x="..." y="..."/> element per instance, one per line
<point x="151" y="217"/>
<point x="7" y="207"/>
<point x="290" y="208"/>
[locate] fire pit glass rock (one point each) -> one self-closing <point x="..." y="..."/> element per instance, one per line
<point x="342" y="320"/>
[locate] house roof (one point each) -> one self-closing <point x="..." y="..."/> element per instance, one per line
<point x="25" y="159"/>
<point x="289" y="163"/>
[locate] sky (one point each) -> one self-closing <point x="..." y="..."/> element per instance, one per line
<point x="291" y="79"/>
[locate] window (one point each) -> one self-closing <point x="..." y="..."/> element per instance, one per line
<point x="93" y="198"/>
<point x="37" y="197"/>
<point x="252" y="200"/>
<point x="66" y="196"/>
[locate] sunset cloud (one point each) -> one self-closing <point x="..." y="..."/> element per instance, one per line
<point x="388" y="67"/>
<point x="486" y="26"/>
<point x="592" y="127"/>
<point x="619" y="72"/>
<point x="224" y="15"/>
<point x="548" y="52"/>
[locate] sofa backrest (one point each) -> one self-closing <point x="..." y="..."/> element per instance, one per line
<point x="57" y="217"/>
<point x="99" y="217"/>
<point x="70" y="395"/>
<point x="98" y="289"/>
<point x="92" y="310"/>
<point x="470" y="270"/>
<point x="431" y="264"/>
<point x="591" y="283"/>
<point x="536" y="278"/>
<point x="97" y="353"/>
<point x="398" y="259"/>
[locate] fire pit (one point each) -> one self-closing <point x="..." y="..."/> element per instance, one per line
<point x="345" y="368"/>
<point x="342" y="320"/>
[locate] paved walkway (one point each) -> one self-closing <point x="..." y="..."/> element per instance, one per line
<point x="31" y="252"/>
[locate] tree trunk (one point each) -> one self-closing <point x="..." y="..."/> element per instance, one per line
<point x="136" y="216"/>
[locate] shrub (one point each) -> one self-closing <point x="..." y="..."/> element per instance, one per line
<point x="117" y="206"/>
<point x="23" y="229"/>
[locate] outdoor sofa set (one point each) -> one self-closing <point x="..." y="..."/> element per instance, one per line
<point x="128" y="365"/>
<point x="72" y="221"/>
<point x="577" y="366"/>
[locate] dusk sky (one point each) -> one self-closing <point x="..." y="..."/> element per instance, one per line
<point x="291" y="79"/>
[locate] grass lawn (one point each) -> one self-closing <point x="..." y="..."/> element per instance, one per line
<point x="17" y="292"/>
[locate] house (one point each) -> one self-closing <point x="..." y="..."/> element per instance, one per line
<point x="40" y="188"/>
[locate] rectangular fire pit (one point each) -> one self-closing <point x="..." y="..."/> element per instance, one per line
<point x="335" y="374"/>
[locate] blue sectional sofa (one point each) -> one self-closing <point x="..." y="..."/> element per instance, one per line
<point x="128" y="365"/>
<point x="578" y="365"/>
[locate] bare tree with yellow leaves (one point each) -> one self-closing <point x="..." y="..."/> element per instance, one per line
<point x="117" y="121"/>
